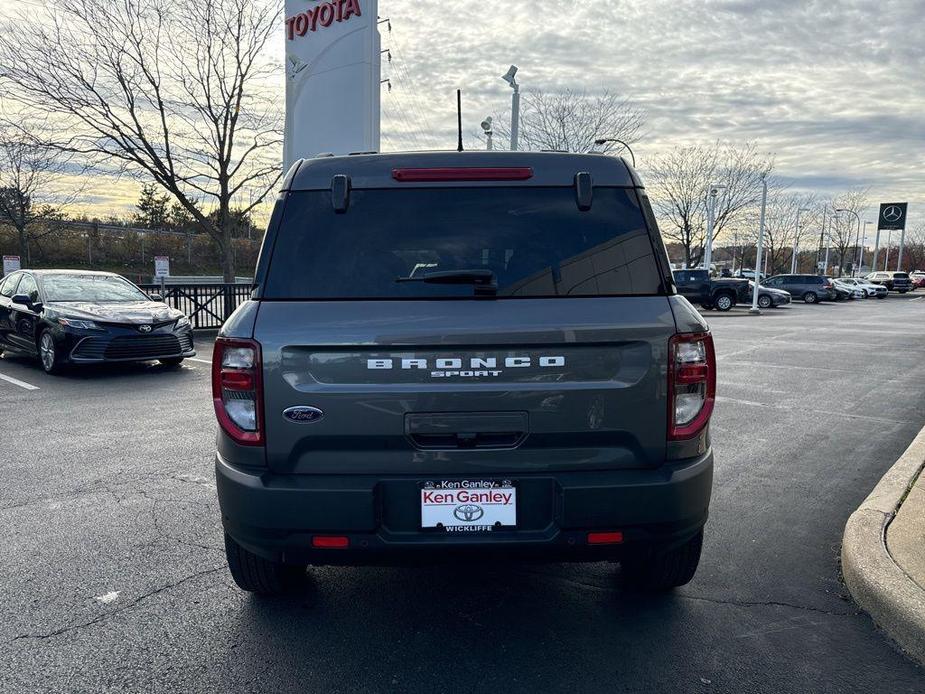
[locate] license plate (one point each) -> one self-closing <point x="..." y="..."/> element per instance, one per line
<point x="467" y="506"/>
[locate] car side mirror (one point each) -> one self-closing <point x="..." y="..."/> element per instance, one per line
<point x="155" y="297"/>
<point x="23" y="300"/>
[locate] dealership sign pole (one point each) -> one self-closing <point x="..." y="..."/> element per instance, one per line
<point x="332" y="78"/>
<point x="892" y="218"/>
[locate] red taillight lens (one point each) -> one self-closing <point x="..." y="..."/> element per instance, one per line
<point x="512" y="173"/>
<point x="330" y="542"/>
<point x="691" y="384"/>
<point x="608" y="538"/>
<point x="237" y="390"/>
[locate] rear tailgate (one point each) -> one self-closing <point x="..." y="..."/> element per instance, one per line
<point x="466" y="387"/>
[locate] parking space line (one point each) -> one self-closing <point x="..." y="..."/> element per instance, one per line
<point x="201" y="361"/>
<point x="17" y="382"/>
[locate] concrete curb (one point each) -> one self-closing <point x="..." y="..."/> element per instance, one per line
<point x="877" y="583"/>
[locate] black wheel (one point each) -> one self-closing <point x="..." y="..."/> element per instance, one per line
<point x="881" y="296"/>
<point x="764" y="301"/>
<point x="661" y="570"/>
<point x="48" y="353"/>
<point x="810" y="298"/>
<point x="173" y="361"/>
<point x="706" y="307"/>
<point x="723" y="302"/>
<point x="258" y="575"/>
<point x="903" y="291"/>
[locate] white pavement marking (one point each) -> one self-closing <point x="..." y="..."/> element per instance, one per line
<point x="108" y="597"/>
<point x="17" y="382"/>
<point x="201" y="361"/>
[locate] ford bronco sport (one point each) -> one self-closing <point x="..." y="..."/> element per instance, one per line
<point x="463" y="354"/>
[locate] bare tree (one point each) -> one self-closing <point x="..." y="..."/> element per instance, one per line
<point x="170" y="90"/>
<point x="843" y="229"/>
<point x="30" y="185"/>
<point x="781" y="233"/>
<point x="682" y="178"/>
<point x="571" y="121"/>
<point x="914" y="249"/>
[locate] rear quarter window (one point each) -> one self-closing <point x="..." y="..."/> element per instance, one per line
<point x="534" y="239"/>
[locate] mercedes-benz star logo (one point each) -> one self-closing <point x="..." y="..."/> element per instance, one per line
<point x="893" y="213"/>
<point x="144" y="328"/>
<point x="469" y="512"/>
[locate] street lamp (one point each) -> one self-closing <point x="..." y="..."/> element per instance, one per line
<point x="711" y="221"/>
<point x="863" y="244"/>
<point x="796" y="242"/>
<point x="764" y="206"/>
<point x="605" y="140"/>
<point x="489" y="132"/>
<point x="509" y="77"/>
<point x="856" y="238"/>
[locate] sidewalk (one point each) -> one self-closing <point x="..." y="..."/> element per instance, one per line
<point x="883" y="552"/>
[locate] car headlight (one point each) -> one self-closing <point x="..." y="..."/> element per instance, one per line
<point x="78" y="323"/>
<point x="182" y="322"/>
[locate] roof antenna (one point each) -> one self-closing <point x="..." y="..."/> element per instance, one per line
<point x="459" y="118"/>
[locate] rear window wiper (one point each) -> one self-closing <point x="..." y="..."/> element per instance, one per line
<point x="484" y="280"/>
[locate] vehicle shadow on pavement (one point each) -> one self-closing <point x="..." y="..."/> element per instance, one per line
<point x="510" y="622"/>
<point x="99" y="372"/>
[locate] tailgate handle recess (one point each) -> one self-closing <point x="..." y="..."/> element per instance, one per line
<point x="467" y="430"/>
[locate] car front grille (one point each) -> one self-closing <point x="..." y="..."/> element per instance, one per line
<point x="134" y="347"/>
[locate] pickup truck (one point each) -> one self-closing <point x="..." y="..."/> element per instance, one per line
<point x="721" y="294"/>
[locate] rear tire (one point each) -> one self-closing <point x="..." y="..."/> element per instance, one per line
<point x="660" y="571"/>
<point x="173" y="361"/>
<point x="723" y="302"/>
<point x="810" y="298"/>
<point x="258" y="575"/>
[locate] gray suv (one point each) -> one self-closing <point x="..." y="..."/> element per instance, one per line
<point x="460" y="355"/>
<point x="810" y="288"/>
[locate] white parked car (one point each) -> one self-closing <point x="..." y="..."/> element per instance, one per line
<point x="869" y="288"/>
<point x="849" y="284"/>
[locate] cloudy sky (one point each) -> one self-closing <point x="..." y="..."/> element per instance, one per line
<point x="836" y="90"/>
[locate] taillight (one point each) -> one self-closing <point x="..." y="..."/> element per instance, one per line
<point x="237" y="390"/>
<point x="691" y="384"/>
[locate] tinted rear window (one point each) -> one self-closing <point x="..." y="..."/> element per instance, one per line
<point x="900" y="276"/>
<point x="535" y="240"/>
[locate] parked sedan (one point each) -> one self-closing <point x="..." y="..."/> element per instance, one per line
<point x="79" y="317"/>
<point x="767" y="296"/>
<point x="847" y="286"/>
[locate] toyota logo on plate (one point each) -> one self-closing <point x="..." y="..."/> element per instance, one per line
<point x="144" y="328"/>
<point x="892" y="213"/>
<point x="468" y="512"/>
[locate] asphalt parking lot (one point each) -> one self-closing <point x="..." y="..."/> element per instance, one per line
<point x="113" y="575"/>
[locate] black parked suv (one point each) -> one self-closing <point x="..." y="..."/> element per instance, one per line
<point x="810" y="288"/>
<point x="451" y="355"/>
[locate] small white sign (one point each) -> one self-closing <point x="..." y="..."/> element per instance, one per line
<point x="462" y="506"/>
<point x="11" y="264"/>
<point x="161" y="266"/>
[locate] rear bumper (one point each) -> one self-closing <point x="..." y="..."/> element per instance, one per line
<point x="276" y="516"/>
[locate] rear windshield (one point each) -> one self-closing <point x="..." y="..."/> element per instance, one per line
<point x="535" y="241"/>
<point x="900" y="276"/>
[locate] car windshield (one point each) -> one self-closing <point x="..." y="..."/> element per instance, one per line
<point x="90" y="288"/>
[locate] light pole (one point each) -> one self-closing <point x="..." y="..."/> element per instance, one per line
<point x="489" y="132"/>
<point x="856" y="238"/>
<point x="889" y="242"/>
<point x="796" y="242"/>
<point x="509" y="77"/>
<point x="873" y="265"/>
<point x="863" y="244"/>
<point x="711" y="221"/>
<point x="764" y="206"/>
<point x="605" y="140"/>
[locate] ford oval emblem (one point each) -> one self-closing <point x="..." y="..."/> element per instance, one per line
<point x="303" y="414"/>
